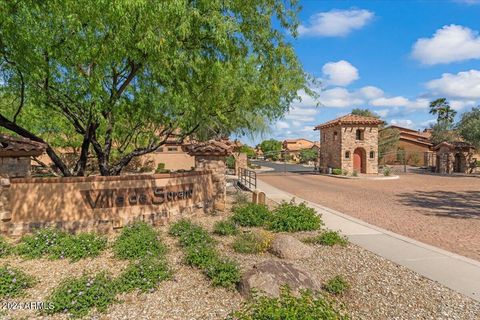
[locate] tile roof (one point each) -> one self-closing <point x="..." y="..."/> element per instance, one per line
<point x="211" y="147"/>
<point x="11" y="146"/>
<point x="350" y="119"/>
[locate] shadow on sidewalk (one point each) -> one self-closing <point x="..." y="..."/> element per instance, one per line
<point x="462" y="205"/>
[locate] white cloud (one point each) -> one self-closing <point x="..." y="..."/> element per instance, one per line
<point x="371" y="92"/>
<point x="282" y="125"/>
<point x="340" y="98"/>
<point x="383" y="113"/>
<point x="336" y="23"/>
<point x="465" y="85"/>
<point x="403" y="123"/>
<point x="468" y="1"/>
<point x="340" y="73"/>
<point x="449" y="44"/>
<point x="419" y="103"/>
<point x="305" y="101"/>
<point x="390" y="102"/>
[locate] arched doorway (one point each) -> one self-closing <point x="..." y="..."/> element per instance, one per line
<point x="458" y="164"/>
<point x="359" y="160"/>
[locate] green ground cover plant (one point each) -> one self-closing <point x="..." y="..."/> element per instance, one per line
<point x="291" y="217"/>
<point x="288" y="306"/>
<point x="13" y="281"/>
<point x="77" y="296"/>
<point x="136" y="241"/>
<point x="143" y="275"/>
<point x="5" y="247"/>
<point x="328" y="238"/>
<point x="253" y="242"/>
<point x="240" y="197"/>
<point x="337" y="172"/>
<point x="56" y="244"/>
<point x="200" y="252"/>
<point x="251" y="215"/>
<point x="336" y="285"/>
<point x="225" y="228"/>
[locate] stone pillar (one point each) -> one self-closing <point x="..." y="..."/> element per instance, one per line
<point x="5" y="209"/>
<point x="216" y="164"/>
<point x="241" y="161"/>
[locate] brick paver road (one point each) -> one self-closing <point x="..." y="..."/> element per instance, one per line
<point x="441" y="211"/>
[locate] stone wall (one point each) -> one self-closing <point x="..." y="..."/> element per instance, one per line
<point x="241" y="161"/>
<point x="15" y="167"/>
<point x="368" y="144"/>
<point x="102" y="203"/>
<point x="331" y="148"/>
<point x="216" y="165"/>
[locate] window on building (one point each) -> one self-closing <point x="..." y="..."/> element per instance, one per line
<point x="359" y="134"/>
<point x="347" y="154"/>
<point x="172" y="148"/>
<point x="335" y="135"/>
<point x="372" y="154"/>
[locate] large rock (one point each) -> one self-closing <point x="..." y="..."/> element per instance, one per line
<point x="287" y="247"/>
<point x="269" y="276"/>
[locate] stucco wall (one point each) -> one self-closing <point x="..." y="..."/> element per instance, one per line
<point x="175" y="160"/>
<point x="102" y="203"/>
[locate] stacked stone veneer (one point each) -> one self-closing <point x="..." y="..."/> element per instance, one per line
<point x="216" y="165"/>
<point x="333" y="150"/>
<point x="241" y="161"/>
<point x="15" y="166"/>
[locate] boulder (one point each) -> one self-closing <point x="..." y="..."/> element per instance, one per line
<point x="269" y="276"/>
<point x="287" y="247"/>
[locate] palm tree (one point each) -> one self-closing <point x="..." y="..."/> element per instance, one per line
<point x="445" y="113"/>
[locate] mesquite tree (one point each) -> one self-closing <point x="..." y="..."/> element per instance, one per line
<point x="115" y="79"/>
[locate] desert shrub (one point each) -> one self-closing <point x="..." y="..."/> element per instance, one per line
<point x="79" y="246"/>
<point x="251" y="215"/>
<point x="200" y="252"/>
<point x="230" y="162"/>
<point x="223" y="273"/>
<point x="387" y="171"/>
<point x="42" y="242"/>
<point x="143" y="275"/>
<point x="13" y="281"/>
<point x="290" y="217"/>
<point x="161" y="168"/>
<point x="5" y="247"/>
<point x="328" y="238"/>
<point x="138" y="240"/>
<point x="355" y="173"/>
<point x="253" y="242"/>
<point x="288" y="306"/>
<point x="240" y="197"/>
<point x="337" y="172"/>
<point x="336" y="285"/>
<point x="225" y="228"/>
<point x="79" y="295"/>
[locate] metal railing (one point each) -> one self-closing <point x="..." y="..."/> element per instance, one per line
<point x="247" y="178"/>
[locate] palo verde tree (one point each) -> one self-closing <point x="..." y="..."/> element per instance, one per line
<point x="271" y="149"/>
<point x="116" y="79"/>
<point x="469" y="127"/>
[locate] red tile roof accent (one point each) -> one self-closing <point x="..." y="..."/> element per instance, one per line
<point x="350" y="119"/>
<point x="210" y="148"/>
<point x="9" y="146"/>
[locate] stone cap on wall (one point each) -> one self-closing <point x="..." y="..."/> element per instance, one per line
<point x="350" y="119"/>
<point x="209" y="148"/>
<point x="19" y="147"/>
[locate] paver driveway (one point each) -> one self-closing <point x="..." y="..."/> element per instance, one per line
<point x="441" y="211"/>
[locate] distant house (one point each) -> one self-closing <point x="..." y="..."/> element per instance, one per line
<point x="413" y="148"/>
<point x="293" y="147"/>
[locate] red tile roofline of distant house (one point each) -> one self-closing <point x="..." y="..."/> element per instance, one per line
<point x="408" y="131"/>
<point x="350" y="119"/>
<point x="417" y="141"/>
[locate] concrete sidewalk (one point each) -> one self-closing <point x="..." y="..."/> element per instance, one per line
<point x="454" y="271"/>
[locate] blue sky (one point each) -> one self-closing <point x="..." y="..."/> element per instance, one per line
<point x="392" y="57"/>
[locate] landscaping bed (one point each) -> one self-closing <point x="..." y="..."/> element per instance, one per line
<point x="356" y="283"/>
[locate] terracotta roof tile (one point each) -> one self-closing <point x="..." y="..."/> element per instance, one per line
<point x="211" y="147"/>
<point x="10" y="145"/>
<point x="350" y="119"/>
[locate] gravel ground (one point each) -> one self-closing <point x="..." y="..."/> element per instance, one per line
<point x="379" y="289"/>
<point x="439" y="210"/>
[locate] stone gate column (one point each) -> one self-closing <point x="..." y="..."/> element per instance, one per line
<point x="211" y="155"/>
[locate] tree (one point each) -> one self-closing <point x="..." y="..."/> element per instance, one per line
<point x="364" y="113"/>
<point x="248" y="150"/>
<point x="387" y="141"/>
<point x="271" y="149"/>
<point x="469" y="127"/>
<point x="441" y="108"/>
<point x="443" y="131"/>
<point x="117" y="79"/>
<point x="307" y="155"/>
